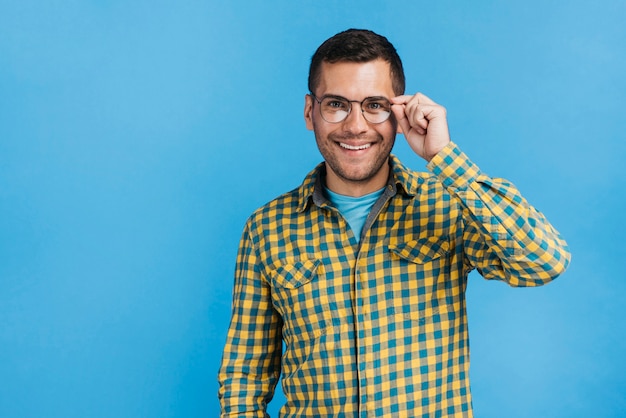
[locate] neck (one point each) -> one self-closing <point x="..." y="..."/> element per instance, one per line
<point x="357" y="188"/>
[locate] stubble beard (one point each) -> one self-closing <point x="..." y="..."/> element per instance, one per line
<point x="363" y="174"/>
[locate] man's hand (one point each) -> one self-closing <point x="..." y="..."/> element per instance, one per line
<point x="423" y="123"/>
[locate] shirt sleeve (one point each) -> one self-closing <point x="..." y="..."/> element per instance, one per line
<point x="504" y="237"/>
<point x="251" y="360"/>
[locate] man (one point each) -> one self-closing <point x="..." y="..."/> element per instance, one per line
<point x="360" y="273"/>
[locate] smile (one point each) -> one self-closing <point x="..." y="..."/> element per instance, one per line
<point x="354" y="147"/>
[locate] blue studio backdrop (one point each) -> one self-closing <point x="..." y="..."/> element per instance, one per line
<point x="136" y="137"/>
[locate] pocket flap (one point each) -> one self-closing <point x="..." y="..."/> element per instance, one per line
<point x="421" y="251"/>
<point x="296" y="273"/>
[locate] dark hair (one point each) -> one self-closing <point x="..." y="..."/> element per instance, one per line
<point x="357" y="45"/>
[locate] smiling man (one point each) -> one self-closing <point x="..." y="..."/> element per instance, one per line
<point x="360" y="273"/>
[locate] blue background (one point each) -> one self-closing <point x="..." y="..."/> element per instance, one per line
<point x="137" y="136"/>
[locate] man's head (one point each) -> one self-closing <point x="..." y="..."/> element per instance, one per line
<point x="353" y="76"/>
<point x="357" y="45"/>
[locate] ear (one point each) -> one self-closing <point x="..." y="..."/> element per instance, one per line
<point x="308" y="111"/>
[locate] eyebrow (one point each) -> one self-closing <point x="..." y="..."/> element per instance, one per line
<point x="336" y="96"/>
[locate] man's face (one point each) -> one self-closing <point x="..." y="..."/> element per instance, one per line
<point x="355" y="150"/>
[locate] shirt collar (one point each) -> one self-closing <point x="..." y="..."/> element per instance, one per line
<point x="401" y="179"/>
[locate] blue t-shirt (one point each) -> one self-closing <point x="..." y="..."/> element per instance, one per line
<point x="354" y="209"/>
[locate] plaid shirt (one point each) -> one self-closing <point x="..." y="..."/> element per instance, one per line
<point x="376" y="328"/>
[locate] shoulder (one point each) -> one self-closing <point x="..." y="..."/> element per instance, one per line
<point x="413" y="182"/>
<point x="282" y="205"/>
<point x="286" y="206"/>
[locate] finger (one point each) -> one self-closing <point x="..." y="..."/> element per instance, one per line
<point x="423" y="99"/>
<point x="425" y="111"/>
<point x="409" y="116"/>
<point x="421" y="122"/>
<point x="403" y="99"/>
<point x="416" y="115"/>
<point x="419" y="130"/>
<point x="404" y="122"/>
<point x="401" y="118"/>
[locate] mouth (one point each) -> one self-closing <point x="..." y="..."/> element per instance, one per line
<point x="354" y="147"/>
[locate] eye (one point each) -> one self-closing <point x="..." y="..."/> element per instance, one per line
<point x="335" y="104"/>
<point x="376" y="105"/>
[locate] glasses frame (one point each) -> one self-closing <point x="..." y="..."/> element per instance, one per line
<point x="319" y="101"/>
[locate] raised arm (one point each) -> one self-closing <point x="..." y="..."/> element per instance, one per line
<point x="505" y="238"/>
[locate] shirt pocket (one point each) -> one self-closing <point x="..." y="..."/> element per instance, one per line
<point x="300" y="294"/>
<point x="418" y="280"/>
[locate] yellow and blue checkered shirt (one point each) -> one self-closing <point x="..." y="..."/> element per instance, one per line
<point x="376" y="328"/>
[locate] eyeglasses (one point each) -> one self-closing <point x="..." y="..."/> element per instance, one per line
<point x="335" y="109"/>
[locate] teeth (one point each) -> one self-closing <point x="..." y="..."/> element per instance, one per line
<point x="354" y="148"/>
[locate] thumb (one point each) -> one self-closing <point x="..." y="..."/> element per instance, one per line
<point x="403" y="122"/>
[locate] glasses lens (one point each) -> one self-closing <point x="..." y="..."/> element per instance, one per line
<point x="376" y="109"/>
<point x="334" y="109"/>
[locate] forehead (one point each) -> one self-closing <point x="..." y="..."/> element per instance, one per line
<point x="356" y="80"/>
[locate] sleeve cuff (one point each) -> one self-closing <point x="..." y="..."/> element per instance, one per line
<point x="453" y="168"/>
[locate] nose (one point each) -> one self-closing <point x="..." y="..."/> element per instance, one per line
<point x="355" y="123"/>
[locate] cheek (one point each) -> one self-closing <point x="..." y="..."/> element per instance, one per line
<point x="390" y="131"/>
<point x="321" y="129"/>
